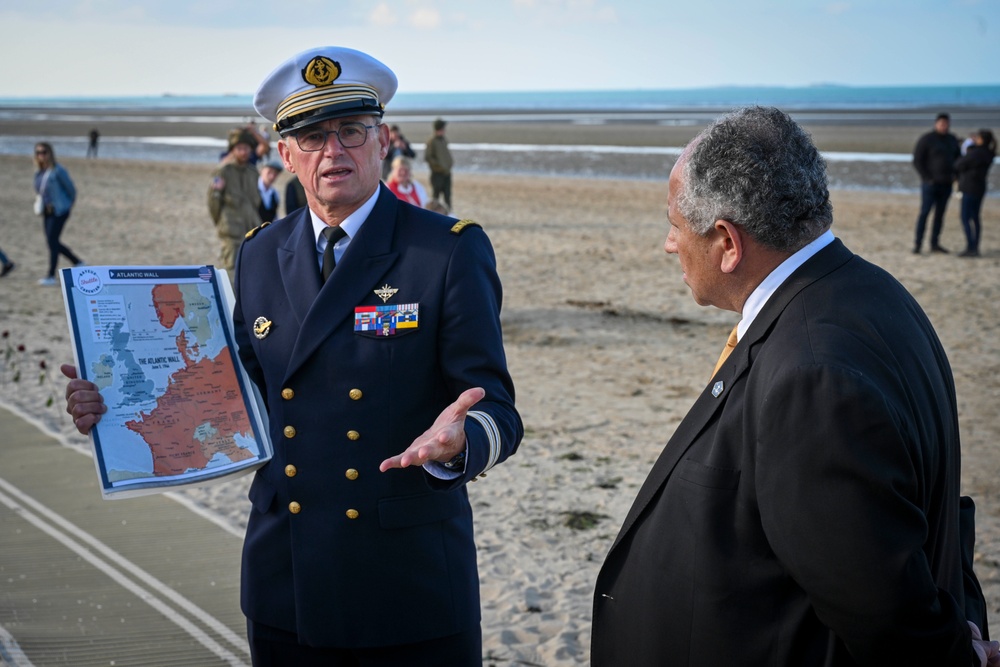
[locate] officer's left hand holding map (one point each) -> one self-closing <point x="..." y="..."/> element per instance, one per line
<point x="158" y="384"/>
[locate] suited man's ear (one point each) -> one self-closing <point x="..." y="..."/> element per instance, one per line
<point x="732" y="241"/>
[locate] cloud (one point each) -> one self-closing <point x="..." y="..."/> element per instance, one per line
<point x="560" y="12"/>
<point x="425" y="18"/>
<point x="382" y="16"/>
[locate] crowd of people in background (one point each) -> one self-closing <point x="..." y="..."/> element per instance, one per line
<point x="241" y="197"/>
<point x="236" y="207"/>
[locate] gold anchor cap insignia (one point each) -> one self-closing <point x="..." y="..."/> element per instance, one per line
<point x="385" y="292"/>
<point x="321" y="71"/>
<point x="261" y="327"/>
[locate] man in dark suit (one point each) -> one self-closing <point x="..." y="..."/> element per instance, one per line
<point x="934" y="159"/>
<point x="806" y="511"/>
<point x="378" y="353"/>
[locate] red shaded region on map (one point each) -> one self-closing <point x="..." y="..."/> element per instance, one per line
<point x="169" y="304"/>
<point x="196" y="418"/>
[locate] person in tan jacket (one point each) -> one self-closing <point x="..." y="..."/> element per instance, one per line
<point x="233" y="197"/>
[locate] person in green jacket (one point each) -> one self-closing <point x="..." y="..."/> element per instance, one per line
<point x="233" y="197"/>
<point x="439" y="158"/>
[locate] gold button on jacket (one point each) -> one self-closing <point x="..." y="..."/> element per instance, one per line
<point x="290" y="470"/>
<point x="289" y="431"/>
<point x="351" y="474"/>
<point x="287" y="394"/>
<point x="353" y="435"/>
<point x="294" y="507"/>
<point x="355" y="394"/>
<point x="352" y="514"/>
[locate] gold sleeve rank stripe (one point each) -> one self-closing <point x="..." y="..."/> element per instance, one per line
<point x="460" y="226"/>
<point x="492" y="434"/>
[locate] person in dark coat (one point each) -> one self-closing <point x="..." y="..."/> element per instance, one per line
<point x="934" y="159"/>
<point x="806" y="511"/>
<point x="972" y="169"/>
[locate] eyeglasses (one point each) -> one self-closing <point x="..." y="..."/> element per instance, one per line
<point x="350" y="135"/>
<point x="41" y="152"/>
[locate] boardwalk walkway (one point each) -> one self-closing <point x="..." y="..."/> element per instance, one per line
<point x="86" y="581"/>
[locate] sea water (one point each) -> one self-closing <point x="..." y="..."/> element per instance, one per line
<point x="909" y="104"/>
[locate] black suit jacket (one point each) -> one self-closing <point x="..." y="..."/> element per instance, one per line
<point x="368" y="558"/>
<point x="805" y="512"/>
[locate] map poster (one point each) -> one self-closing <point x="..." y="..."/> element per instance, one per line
<point x="158" y="343"/>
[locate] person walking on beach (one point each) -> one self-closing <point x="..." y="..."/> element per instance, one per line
<point x="972" y="169"/>
<point x="6" y="266"/>
<point x="233" y="198"/>
<point x="438" y="157"/>
<point x="92" y="143"/>
<point x="372" y="329"/>
<point x="806" y="510"/>
<point x="55" y="195"/>
<point x="934" y="159"/>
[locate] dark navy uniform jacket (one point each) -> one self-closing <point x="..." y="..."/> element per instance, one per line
<point x="335" y="550"/>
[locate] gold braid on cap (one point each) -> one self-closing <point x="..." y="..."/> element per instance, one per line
<point x="317" y="98"/>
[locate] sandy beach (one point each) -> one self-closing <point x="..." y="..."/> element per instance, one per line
<point x="606" y="347"/>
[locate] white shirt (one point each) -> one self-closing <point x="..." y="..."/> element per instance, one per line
<point x="755" y="302"/>
<point x="351" y="225"/>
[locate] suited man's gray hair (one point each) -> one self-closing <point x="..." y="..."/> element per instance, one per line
<point x="758" y="169"/>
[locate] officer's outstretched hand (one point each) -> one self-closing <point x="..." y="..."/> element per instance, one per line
<point x="444" y="440"/>
<point x="84" y="402"/>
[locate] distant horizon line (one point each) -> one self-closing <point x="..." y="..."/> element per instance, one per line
<point x="548" y="91"/>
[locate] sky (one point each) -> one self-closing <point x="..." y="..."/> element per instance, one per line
<point x="60" y="48"/>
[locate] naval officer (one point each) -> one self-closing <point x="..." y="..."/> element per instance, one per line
<point x="372" y="329"/>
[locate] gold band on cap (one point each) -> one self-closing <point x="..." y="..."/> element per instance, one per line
<point x="317" y="98"/>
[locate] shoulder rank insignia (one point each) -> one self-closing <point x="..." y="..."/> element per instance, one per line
<point x="459" y="226"/>
<point x="253" y="232"/>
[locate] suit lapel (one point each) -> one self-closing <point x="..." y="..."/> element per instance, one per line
<point x="708" y="403"/>
<point x="369" y="256"/>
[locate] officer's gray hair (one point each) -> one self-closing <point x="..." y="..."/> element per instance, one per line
<point x="757" y="169"/>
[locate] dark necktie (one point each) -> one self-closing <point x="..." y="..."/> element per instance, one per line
<point x="332" y="234"/>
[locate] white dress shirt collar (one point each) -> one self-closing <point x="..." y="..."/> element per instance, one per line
<point x="351" y="226"/>
<point x="755" y="302"/>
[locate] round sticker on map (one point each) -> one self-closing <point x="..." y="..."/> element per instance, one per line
<point x="88" y="282"/>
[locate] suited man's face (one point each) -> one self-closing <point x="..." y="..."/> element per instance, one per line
<point x="699" y="255"/>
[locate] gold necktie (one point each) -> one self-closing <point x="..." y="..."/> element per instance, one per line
<point x="730" y="344"/>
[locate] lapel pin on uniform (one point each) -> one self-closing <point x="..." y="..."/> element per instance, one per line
<point x="385" y="292"/>
<point x="261" y="327"/>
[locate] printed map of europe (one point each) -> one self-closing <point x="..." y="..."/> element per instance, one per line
<point x="167" y="376"/>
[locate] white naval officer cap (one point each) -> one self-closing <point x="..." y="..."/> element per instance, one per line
<point x="323" y="83"/>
